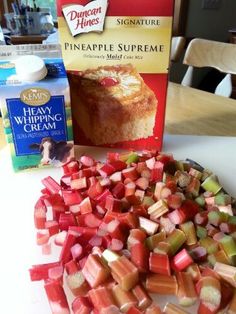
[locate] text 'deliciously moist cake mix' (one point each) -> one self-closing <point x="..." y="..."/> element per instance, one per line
<point x="117" y="56"/>
<point x="35" y="105"/>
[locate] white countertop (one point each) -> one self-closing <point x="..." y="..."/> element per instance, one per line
<point x="20" y="191"/>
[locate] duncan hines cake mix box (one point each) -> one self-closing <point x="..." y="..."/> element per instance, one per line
<point x="117" y="56"/>
<point x="35" y="106"/>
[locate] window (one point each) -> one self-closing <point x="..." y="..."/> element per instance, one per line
<point x="46" y="4"/>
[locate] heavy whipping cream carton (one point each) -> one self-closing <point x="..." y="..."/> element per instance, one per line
<point x="117" y="55"/>
<point x="35" y="106"/>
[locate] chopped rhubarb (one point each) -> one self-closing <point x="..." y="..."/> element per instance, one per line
<point x="210" y="292"/>
<point x="142" y="297"/>
<point x="77" y="283"/>
<point x="40" y="272"/>
<point x="42" y="236"/>
<point x="148" y="225"/>
<point x="95" y="270"/>
<point x="176" y="239"/>
<point x="51" y="185"/>
<point x="70" y="240"/>
<point x="226" y="272"/>
<point x="40" y="212"/>
<point x="101" y="298"/>
<point x="134" y="219"/>
<point x="153" y="309"/>
<point x="81" y="305"/>
<point x="232" y="306"/>
<point x="162" y="284"/>
<point x="135" y="236"/>
<point x="186" y="292"/>
<point x="153" y="240"/>
<point x="189" y="229"/>
<point x="171" y="308"/>
<point x="124" y="272"/>
<point x="158" y="209"/>
<point x="124" y="299"/>
<point x="52" y="226"/>
<point x="56" y="297"/>
<point x="56" y="273"/>
<point x="76" y="251"/>
<point x="159" y="263"/>
<point x="181" y="260"/>
<point x="139" y="256"/>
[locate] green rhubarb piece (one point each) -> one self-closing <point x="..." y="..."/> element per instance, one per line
<point x="109" y="255"/>
<point x="211" y="184"/>
<point x="157" y="209"/>
<point x="163" y="248"/>
<point x="153" y="240"/>
<point x="189" y="229"/>
<point x="182" y="165"/>
<point x="228" y="244"/>
<point x="232" y="220"/>
<point x="222" y="199"/>
<point x="148" y="201"/>
<point x="200" y="200"/>
<point x="175" y="239"/>
<point x="201" y="232"/>
<point x="219" y="257"/>
<point x="125" y="155"/>
<point x="216" y="217"/>
<point x="209" y="244"/>
<point x="133" y="157"/>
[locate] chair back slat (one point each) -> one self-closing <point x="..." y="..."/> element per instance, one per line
<point x="207" y="53"/>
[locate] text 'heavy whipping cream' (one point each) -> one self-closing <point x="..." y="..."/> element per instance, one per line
<point x="35" y="106"/>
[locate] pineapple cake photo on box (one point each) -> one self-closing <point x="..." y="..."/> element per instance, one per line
<point x="112" y="104"/>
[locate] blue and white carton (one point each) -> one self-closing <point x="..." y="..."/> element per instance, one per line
<point x="35" y="106"/>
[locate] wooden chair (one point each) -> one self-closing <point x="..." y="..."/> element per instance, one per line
<point x="177" y="47"/>
<point x="206" y="53"/>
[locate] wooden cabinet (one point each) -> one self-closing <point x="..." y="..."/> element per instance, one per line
<point x="27" y="39"/>
<point x="232" y="33"/>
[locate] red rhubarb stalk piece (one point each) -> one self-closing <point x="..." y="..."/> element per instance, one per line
<point x="56" y="273"/>
<point x="143" y="298"/>
<point x="124" y="272"/>
<point x="40" y="211"/>
<point x="95" y="271"/>
<point x="40" y="271"/>
<point x="101" y="298"/>
<point x="71" y="197"/>
<point x="66" y="220"/>
<point x="56" y="297"/>
<point x="159" y="263"/>
<point x="81" y="305"/>
<point x="71" y="239"/>
<point x="181" y="260"/>
<point x="139" y="256"/>
<point x="87" y="161"/>
<point x="77" y="283"/>
<point x="51" y="185"/>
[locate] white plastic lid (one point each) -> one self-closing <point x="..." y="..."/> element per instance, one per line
<point x="30" y="68"/>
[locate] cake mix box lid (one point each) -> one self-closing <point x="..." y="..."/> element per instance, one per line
<point x="117" y="55"/>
